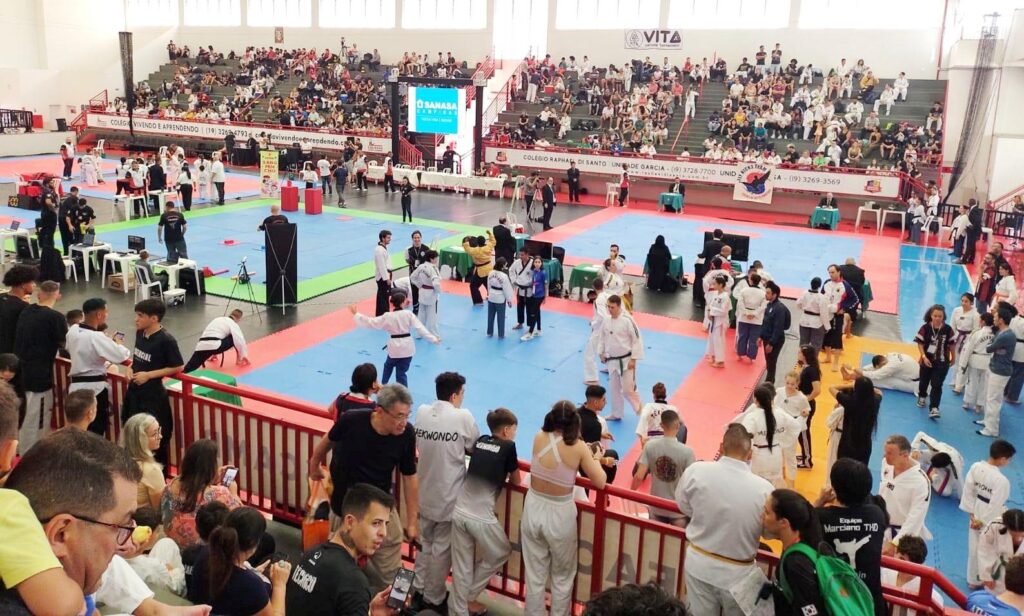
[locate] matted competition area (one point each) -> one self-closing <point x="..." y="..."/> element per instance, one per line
<point x="312" y="361"/>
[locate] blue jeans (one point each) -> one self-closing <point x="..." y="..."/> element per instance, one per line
<point x="400" y="365"/>
<point x="496" y="309"/>
<point x="176" y="250"/>
<point x="746" y="339"/>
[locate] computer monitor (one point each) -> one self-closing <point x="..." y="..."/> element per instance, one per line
<point x="537" y="247"/>
<point x="740" y="244"/>
<point x="136" y="243"/>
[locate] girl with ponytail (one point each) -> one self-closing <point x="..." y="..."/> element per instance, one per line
<point x="224" y="580"/>
<point x="790" y="518"/>
<point x="999" y="542"/>
<point x="773" y="430"/>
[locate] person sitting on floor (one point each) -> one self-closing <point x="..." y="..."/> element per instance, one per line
<point x="896" y="371"/>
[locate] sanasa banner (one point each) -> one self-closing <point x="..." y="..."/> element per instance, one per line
<point x="700" y="171"/>
<point x="281" y="137"/>
<point x="653" y="39"/>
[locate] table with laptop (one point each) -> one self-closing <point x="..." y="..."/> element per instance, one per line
<point x="14" y="232"/>
<point x="89" y="248"/>
<point x="123" y="262"/>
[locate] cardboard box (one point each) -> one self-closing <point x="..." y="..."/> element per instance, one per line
<point x="116" y="282"/>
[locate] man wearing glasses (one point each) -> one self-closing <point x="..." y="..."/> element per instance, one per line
<point x="367" y="446"/>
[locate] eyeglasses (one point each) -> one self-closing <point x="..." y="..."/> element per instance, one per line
<point x="396" y="417"/>
<point x="123" y="532"/>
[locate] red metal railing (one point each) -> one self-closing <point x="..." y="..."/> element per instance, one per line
<point x="484" y="70"/>
<point x="99" y="102"/>
<point x="409" y="153"/>
<point x="685" y="126"/>
<point x="270" y="440"/>
<point x="1006" y="199"/>
<point x="501" y="99"/>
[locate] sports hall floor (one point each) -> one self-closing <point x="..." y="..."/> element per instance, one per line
<point x="308" y="352"/>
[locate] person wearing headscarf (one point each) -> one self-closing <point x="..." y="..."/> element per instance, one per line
<point x="658" y="259"/>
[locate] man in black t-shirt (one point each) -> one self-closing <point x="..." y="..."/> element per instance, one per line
<point x="367" y="448"/>
<point x="21" y="283"/>
<point x="852" y="526"/>
<point x="41" y="331"/>
<point x="328" y="580"/>
<point x="171" y="229"/>
<point x="156" y="355"/>
<point x="66" y="216"/>
<point x="479" y="544"/>
<point x="594" y="430"/>
<point x="275" y="218"/>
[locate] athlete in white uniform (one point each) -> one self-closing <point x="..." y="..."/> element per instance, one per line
<point x="649" y="424"/>
<point x="427" y="279"/>
<point x="620" y="346"/>
<point x="771" y="435"/>
<point x="943" y="464"/>
<point x="600" y="314"/>
<point x="1000" y="541"/>
<point x="974" y="361"/>
<point x="965" y="320"/>
<point x="790" y="399"/>
<point x="986" y="491"/>
<point x="907" y="493"/>
<point x="896" y="371"/>
<point x="815" y="318"/>
<point x="716" y="320"/>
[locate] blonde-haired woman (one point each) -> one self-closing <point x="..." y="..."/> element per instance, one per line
<point x="140" y="437"/>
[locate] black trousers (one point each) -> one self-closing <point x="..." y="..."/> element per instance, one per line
<point x="415" y="299"/>
<point x="102" y="421"/>
<point x="220" y="192"/>
<point x="521" y="303"/>
<point x="151" y="398"/>
<point x="199" y="358"/>
<point x="361" y="180"/>
<point x="406" y="208"/>
<point x="383" y="296"/>
<point x="67" y="166"/>
<point x="770" y="360"/>
<point x="574" y="191"/>
<point x="67" y="237"/>
<point x="970" y="245"/>
<point x="546" y="220"/>
<point x="533" y="312"/>
<point x="932" y="377"/>
<point x="389" y="183"/>
<point x="474" y="286"/>
<point x="529" y="206"/>
<point x="623" y="195"/>
<point x="805" y="436"/>
<point x="185" y="190"/>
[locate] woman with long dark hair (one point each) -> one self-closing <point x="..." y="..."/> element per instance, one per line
<point x="539" y="291"/>
<point x="772" y="430"/>
<point x="548" y="529"/>
<point x="810" y="386"/>
<point x="860" y="401"/>
<point x="199" y="482"/>
<point x="186" y="183"/>
<point x="789" y="517"/>
<point x="222" y="577"/>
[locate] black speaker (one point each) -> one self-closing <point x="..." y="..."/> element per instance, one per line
<point x="282" y="264"/>
<point x="62" y="125"/>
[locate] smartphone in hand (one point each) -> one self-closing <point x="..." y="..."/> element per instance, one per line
<point x="119" y="337"/>
<point x="229" y="475"/>
<point x="401" y="588"/>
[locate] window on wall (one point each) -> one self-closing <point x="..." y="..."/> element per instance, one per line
<point x="728" y="14"/>
<point x="151" y="12"/>
<point x="357" y="13"/>
<point x="971" y="17"/>
<point x="212" y="13"/>
<point x="444" y="14"/>
<point x="270" y="13"/>
<point x="520" y="28"/>
<point x="872" y="14"/>
<point x="607" y="14"/>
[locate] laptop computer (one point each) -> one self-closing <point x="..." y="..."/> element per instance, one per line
<point x="89" y="239"/>
<point x="15" y="224"/>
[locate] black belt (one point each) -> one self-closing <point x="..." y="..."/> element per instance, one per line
<point x="98" y="378"/>
<point x="764" y="446"/>
<point x="394" y="336"/>
<point x="498" y="288"/>
<point x="426" y="286"/>
<point x="817" y="314"/>
<point x="211" y="338"/>
<point x="984" y="499"/>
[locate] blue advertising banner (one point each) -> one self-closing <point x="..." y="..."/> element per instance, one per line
<point x="435" y="110"/>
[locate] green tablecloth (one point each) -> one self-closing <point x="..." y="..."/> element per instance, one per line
<point x="582" y="277"/>
<point x="457" y="259"/>
<point x="520" y="240"/>
<point x="675" y="266"/>
<point x="673" y="201"/>
<point x="553" y="268"/>
<point x="866" y="296"/>
<point x="206" y="392"/>
<point x="827" y="216"/>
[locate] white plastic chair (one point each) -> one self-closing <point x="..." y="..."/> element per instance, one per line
<point x="144" y="286"/>
<point x="99" y="147"/>
<point x="70" y="271"/>
<point x="611" y="194"/>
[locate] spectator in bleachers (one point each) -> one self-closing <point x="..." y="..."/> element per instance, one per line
<point x="140" y="437"/>
<point x="199" y="482"/>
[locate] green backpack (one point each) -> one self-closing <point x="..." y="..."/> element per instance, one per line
<point x="842" y="590"/>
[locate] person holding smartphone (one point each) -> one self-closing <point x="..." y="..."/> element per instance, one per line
<point x="90" y="352"/>
<point x="328" y="580"/>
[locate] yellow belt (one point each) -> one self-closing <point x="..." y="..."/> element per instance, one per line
<point x="731" y="561"/>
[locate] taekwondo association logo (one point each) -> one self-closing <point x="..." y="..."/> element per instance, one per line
<point x="754" y="178"/>
<point x="502" y="157"/>
<point x="873" y="186"/>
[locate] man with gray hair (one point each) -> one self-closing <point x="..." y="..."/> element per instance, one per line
<point x="367" y="446"/>
<point x="725" y="528"/>
<point x="907" y="492"/>
<point x="40" y="332"/>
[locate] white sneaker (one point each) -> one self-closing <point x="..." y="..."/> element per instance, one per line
<point x="536" y="334"/>
<point x="527" y="336"/>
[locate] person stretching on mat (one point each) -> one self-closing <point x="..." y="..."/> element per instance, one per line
<point x="220" y="335"/>
<point x="401" y="347"/>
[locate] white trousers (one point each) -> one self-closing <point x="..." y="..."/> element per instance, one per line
<point x="38" y="410"/>
<point x="531" y="93"/>
<point x="833" y="454"/>
<point x="878" y="103"/>
<point x="994" y="401"/>
<point x="690" y="110"/>
<point x="479" y="549"/>
<point x="590" y="357"/>
<point x="621" y="387"/>
<point x="706" y="599"/>
<point x="434" y="561"/>
<point x="959" y="376"/>
<point x="901" y="93"/>
<point x="767" y="464"/>
<point x="428" y="315"/>
<point x="972" y="556"/>
<point x="716" y="340"/>
<point x="550" y="550"/>
<point x="977" y="387"/>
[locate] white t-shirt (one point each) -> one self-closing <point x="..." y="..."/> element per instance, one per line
<point x="121" y="589"/>
<point x="217" y="172"/>
<point x="444" y="435"/>
<point x="324" y="166"/>
<point x="649" y="423"/>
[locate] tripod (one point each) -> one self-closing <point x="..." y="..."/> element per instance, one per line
<point x="243" y="277"/>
